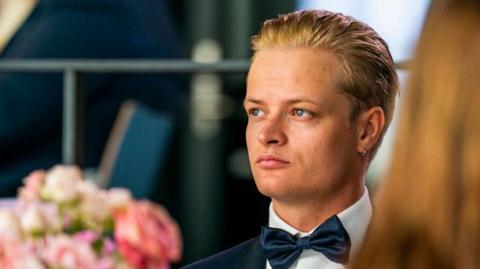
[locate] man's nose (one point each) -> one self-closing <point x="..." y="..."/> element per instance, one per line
<point x="272" y="132"/>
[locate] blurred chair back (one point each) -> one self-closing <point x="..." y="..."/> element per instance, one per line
<point x="136" y="150"/>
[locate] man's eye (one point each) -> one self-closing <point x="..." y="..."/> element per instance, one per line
<point x="301" y="112"/>
<point x="255" y="112"/>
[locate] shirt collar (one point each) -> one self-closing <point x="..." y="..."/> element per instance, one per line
<point x="355" y="219"/>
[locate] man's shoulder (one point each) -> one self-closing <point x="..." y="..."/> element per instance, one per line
<point x="245" y="255"/>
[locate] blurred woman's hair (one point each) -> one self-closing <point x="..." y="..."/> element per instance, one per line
<point x="428" y="210"/>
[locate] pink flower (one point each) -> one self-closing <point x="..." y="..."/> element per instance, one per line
<point x="33" y="183"/>
<point x="66" y="252"/>
<point x="14" y="254"/>
<point x="87" y="236"/>
<point x="147" y="236"/>
<point x="90" y="237"/>
<point x="10" y="250"/>
<point x="108" y="247"/>
<point x="106" y="263"/>
<point x="62" y="221"/>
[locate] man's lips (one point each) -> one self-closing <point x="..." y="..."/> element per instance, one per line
<point x="269" y="161"/>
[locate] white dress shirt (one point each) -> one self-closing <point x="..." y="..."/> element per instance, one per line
<point x="355" y="219"/>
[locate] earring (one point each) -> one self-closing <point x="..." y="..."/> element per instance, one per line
<point x="364" y="152"/>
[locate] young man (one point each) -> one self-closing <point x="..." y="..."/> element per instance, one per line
<point x="320" y="95"/>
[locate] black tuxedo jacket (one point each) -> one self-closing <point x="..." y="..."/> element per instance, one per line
<point x="247" y="255"/>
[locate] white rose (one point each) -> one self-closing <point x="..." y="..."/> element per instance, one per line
<point x="94" y="208"/>
<point x="61" y="184"/>
<point x="9" y="223"/>
<point x="119" y="197"/>
<point x="88" y="189"/>
<point x="66" y="171"/>
<point x="32" y="220"/>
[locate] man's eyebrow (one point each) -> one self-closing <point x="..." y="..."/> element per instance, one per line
<point x="301" y="100"/>
<point x="293" y="101"/>
<point x="250" y="100"/>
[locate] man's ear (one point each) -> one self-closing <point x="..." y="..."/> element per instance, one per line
<point x="370" y="124"/>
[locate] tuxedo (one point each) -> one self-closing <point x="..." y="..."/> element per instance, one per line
<point x="250" y="254"/>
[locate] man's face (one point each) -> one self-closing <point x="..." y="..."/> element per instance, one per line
<point x="300" y="138"/>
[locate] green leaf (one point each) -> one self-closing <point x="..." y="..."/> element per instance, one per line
<point x="97" y="246"/>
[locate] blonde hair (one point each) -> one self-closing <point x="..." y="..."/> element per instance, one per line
<point x="369" y="77"/>
<point x="428" y="212"/>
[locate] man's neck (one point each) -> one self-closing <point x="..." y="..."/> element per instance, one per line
<point x="306" y="215"/>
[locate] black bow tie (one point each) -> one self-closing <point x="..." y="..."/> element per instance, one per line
<point x="283" y="249"/>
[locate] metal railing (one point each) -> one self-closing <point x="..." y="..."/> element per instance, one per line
<point x="72" y="142"/>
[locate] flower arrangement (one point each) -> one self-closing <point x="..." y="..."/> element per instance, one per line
<point x="61" y="221"/>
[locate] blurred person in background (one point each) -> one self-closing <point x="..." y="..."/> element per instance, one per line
<point x="320" y="95"/>
<point x="427" y="212"/>
<point x="31" y="104"/>
<point x="12" y="14"/>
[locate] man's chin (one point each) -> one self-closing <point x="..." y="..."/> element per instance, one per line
<point x="275" y="192"/>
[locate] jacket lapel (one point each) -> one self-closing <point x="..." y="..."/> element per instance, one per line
<point x="254" y="257"/>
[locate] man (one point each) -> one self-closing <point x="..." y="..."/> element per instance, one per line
<point x="320" y="95"/>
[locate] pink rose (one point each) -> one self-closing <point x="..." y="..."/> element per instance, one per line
<point x="15" y="254"/>
<point x="33" y="182"/>
<point x="66" y="252"/>
<point x="87" y="236"/>
<point x="108" y="247"/>
<point x="147" y="236"/>
<point x="10" y="250"/>
<point x="90" y="237"/>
